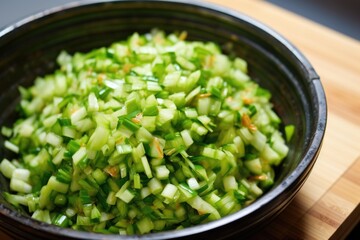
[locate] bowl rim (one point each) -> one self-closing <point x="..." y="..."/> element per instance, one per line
<point x="306" y="163"/>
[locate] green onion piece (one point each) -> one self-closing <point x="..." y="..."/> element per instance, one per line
<point x="61" y="220"/>
<point x="289" y="132"/>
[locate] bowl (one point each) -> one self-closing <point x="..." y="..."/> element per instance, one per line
<point x="29" y="48"/>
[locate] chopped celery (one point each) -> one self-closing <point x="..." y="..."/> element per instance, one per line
<point x="289" y="132"/>
<point x="7" y="168"/>
<point x="149" y="134"/>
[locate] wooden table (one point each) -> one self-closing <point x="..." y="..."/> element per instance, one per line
<point x="322" y="209"/>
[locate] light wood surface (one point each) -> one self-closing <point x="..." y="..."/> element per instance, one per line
<point x="332" y="191"/>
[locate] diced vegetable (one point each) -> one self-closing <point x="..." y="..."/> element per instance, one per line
<point x="149" y="134"/>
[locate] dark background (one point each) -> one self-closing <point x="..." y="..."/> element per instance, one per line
<point x="340" y="15"/>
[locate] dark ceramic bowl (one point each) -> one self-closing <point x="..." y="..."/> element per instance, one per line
<point x="29" y="48"/>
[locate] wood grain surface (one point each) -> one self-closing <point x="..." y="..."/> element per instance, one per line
<point x="332" y="191"/>
<point x="322" y="207"/>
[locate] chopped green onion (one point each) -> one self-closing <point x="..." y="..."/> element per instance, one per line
<point x="11" y="146"/>
<point x="7" y="168"/>
<point x="289" y="132"/>
<point x="149" y="134"/>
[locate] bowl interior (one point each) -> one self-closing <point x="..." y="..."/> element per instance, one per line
<point x="30" y="49"/>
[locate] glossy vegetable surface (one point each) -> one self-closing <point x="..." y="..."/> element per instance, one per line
<point x="146" y="135"/>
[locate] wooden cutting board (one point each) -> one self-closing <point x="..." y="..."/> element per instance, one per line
<point x="323" y="208"/>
